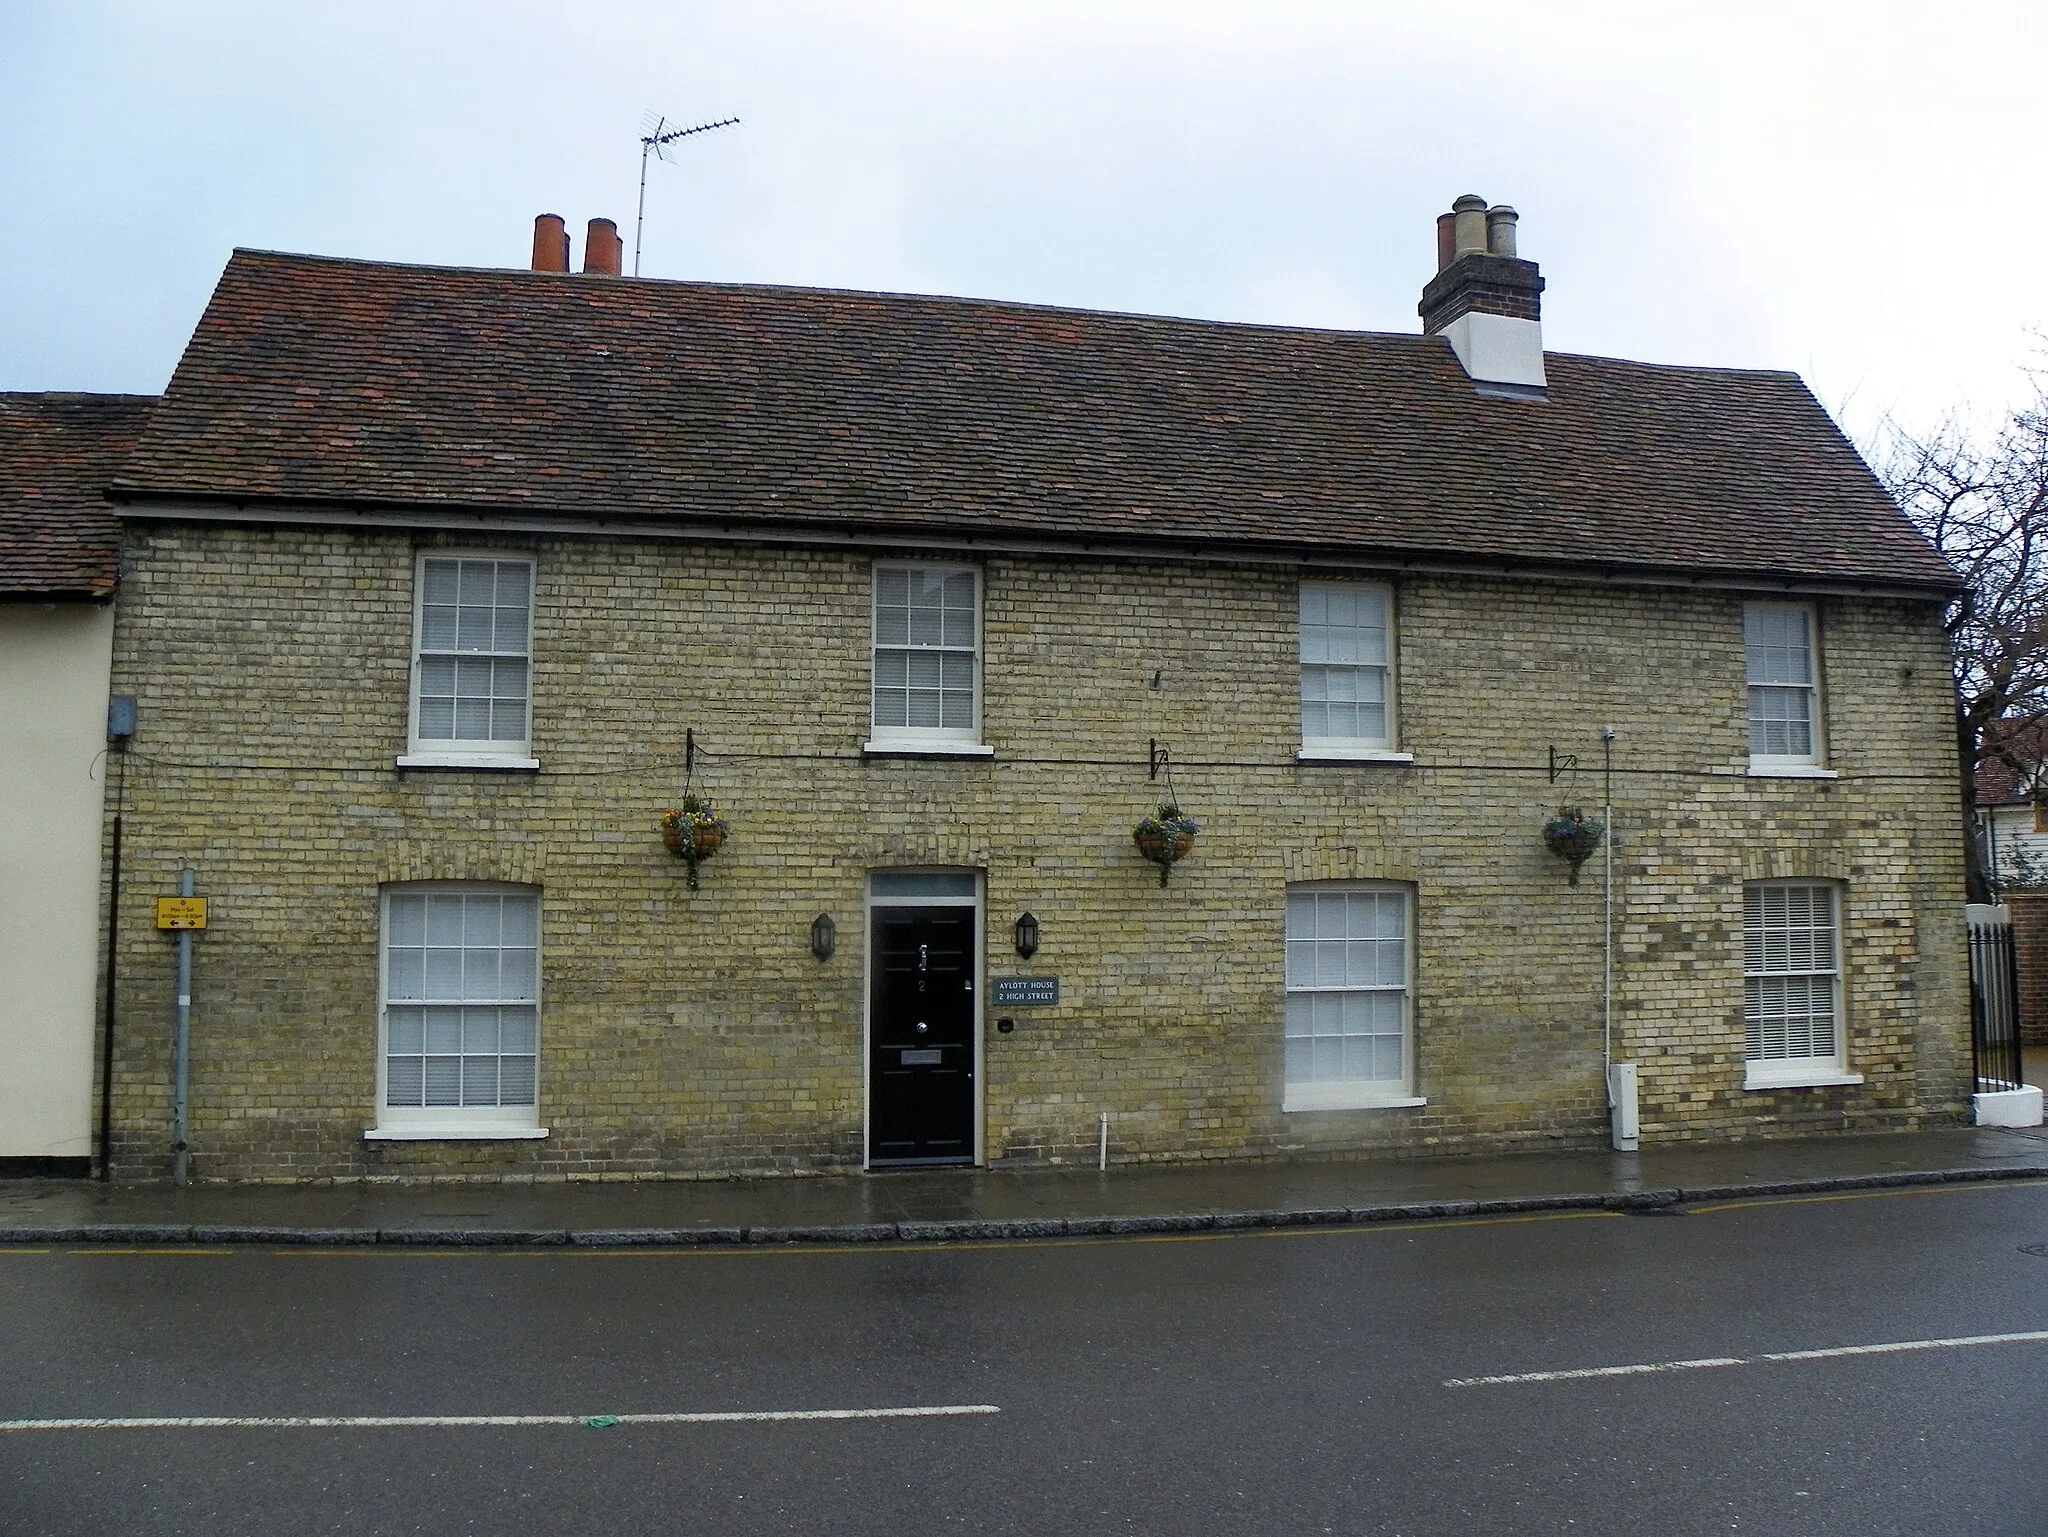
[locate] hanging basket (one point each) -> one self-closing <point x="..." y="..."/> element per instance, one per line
<point x="700" y="842"/>
<point x="693" y="833"/>
<point x="1166" y="839"/>
<point x="1573" y="836"/>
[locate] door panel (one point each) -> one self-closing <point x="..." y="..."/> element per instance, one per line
<point x="921" y="1034"/>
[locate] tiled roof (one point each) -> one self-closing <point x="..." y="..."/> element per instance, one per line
<point x="356" y="382"/>
<point x="57" y="454"/>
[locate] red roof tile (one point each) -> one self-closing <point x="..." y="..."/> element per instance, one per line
<point x="318" y="380"/>
<point x="58" y="536"/>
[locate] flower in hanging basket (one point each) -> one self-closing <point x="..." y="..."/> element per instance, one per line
<point x="692" y="832"/>
<point x="1167" y="837"/>
<point x="1572" y="835"/>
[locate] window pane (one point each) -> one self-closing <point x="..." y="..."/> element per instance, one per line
<point x="480" y="974"/>
<point x="443" y="1030"/>
<point x="473" y="629"/>
<point x="444" y="1081"/>
<point x="444" y="918"/>
<point x="479" y="583"/>
<point x="406" y="972"/>
<point x="480" y="920"/>
<point x="404" y="1081"/>
<point x="517" y="1030"/>
<point x="406" y="1031"/>
<point x="520" y="975"/>
<point x="408" y="920"/>
<point x="438" y="580"/>
<point x="480" y="1080"/>
<point x="515" y="1080"/>
<point x="515" y="584"/>
<point x="437" y="627"/>
<point x="443" y="973"/>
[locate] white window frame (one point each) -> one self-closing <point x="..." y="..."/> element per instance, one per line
<point x="1807" y="765"/>
<point x="923" y="741"/>
<point x="1361" y="1093"/>
<point x="438" y="752"/>
<point x="1381" y="749"/>
<point x="471" y="1123"/>
<point x="1803" y="1071"/>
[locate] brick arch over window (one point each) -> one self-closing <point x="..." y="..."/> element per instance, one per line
<point x="513" y="864"/>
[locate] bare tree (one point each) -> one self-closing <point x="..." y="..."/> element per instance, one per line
<point x="1983" y="500"/>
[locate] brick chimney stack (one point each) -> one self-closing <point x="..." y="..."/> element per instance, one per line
<point x="603" y="251"/>
<point x="550" y="244"/>
<point x="1485" y="300"/>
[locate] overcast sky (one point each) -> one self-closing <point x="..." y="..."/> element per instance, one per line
<point x="1848" y="190"/>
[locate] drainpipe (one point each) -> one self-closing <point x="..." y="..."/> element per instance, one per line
<point x="181" y="1089"/>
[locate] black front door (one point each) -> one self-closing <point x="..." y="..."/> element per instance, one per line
<point x="921" y="1033"/>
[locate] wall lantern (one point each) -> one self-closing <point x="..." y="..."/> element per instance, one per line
<point x="1027" y="936"/>
<point x="824" y="936"/>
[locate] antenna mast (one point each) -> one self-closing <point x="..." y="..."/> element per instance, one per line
<point x="655" y="141"/>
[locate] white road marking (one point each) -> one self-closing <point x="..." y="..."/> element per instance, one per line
<point x="1891" y="1348"/>
<point x="1598" y="1371"/>
<point x="417" y="1421"/>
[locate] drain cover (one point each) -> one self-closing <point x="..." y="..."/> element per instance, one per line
<point x="2038" y="1250"/>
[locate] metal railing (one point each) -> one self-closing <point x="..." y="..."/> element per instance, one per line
<point x="1994" y="1001"/>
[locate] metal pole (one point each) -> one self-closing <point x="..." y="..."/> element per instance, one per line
<point x="640" y="218"/>
<point x="107" y="1033"/>
<point x="1607" y="904"/>
<point x="181" y="1088"/>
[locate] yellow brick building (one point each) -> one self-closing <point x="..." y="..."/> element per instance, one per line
<point x="440" y="586"/>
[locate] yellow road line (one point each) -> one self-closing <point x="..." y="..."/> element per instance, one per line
<point x="1959" y="1188"/>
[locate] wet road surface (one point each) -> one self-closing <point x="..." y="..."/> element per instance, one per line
<point x="1321" y="1380"/>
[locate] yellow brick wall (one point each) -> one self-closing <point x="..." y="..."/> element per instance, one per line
<point x="694" y="1033"/>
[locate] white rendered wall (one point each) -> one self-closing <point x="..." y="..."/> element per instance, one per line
<point x="2012" y="832"/>
<point x="54" y="667"/>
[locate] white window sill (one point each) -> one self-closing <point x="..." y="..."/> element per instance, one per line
<point x="1818" y="1078"/>
<point x="1343" y="1096"/>
<point x="1352" y="755"/>
<point x="467" y="760"/>
<point x="473" y="1131"/>
<point x="1764" y="768"/>
<point x="884" y="747"/>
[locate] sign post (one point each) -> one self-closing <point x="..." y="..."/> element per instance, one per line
<point x="182" y="913"/>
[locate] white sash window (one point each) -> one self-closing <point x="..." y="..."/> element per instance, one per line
<point x="472" y="663"/>
<point x="1348" y="1013"/>
<point x="460" y="1045"/>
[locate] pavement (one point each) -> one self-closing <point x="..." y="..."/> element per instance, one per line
<point x="925" y="1205"/>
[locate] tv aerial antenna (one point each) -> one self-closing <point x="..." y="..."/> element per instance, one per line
<point x="655" y="138"/>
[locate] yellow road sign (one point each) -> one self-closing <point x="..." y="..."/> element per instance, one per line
<point x="181" y="912"/>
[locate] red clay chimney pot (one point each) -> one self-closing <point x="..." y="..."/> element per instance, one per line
<point x="602" y="249"/>
<point x="550" y="244"/>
